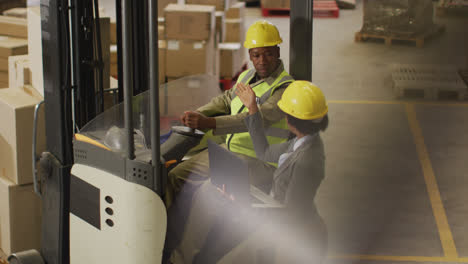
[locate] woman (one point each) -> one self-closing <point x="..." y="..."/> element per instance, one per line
<point x="295" y="234"/>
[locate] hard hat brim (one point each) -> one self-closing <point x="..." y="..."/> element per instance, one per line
<point x="303" y="116"/>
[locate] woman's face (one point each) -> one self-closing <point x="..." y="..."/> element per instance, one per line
<point x="292" y="128"/>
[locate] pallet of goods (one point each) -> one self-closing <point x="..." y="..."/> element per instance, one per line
<point x="391" y="39"/>
<point x="398" y="21"/>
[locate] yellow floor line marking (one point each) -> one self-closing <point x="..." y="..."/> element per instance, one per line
<point x="397" y="102"/>
<point x="402" y="258"/>
<point x="438" y="210"/>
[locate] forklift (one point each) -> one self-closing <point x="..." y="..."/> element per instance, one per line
<point x="103" y="176"/>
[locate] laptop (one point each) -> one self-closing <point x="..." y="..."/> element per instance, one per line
<point x="230" y="173"/>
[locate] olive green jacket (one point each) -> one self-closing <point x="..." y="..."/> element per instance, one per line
<point x="220" y="108"/>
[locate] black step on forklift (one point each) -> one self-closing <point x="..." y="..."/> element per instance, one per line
<point x="103" y="169"/>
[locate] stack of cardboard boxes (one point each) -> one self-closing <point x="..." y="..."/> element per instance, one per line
<point x="229" y="31"/>
<point x="220" y="27"/>
<point x="191" y="43"/>
<point x="232" y="50"/>
<point x="13" y="41"/>
<point x="190" y="33"/>
<point x="161" y="36"/>
<point x="20" y="207"/>
<point x="235" y="23"/>
<point x="9" y="46"/>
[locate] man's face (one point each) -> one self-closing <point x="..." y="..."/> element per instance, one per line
<point x="265" y="60"/>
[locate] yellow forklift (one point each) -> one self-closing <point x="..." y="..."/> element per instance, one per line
<point x="102" y="179"/>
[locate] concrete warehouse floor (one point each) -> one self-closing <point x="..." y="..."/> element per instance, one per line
<point x="396" y="175"/>
<point x="396" y="181"/>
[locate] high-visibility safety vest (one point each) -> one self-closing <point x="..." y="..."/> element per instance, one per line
<point x="276" y="133"/>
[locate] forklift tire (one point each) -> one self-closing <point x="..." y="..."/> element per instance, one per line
<point x="26" y="257"/>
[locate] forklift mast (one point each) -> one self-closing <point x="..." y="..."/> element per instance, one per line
<point x="73" y="95"/>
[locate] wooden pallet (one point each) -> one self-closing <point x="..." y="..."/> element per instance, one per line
<point x="322" y="9"/>
<point x="392" y="39"/>
<point x="426" y="81"/>
<point x="326" y="9"/>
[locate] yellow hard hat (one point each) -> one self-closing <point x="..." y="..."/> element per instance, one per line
<point x="262" y="34"/>
<point x="303" y="100"/>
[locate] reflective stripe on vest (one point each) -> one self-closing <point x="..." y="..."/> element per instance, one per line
<point x="277" y="133"/>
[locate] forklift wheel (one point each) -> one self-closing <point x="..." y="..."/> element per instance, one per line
<point x="26" y="257"/>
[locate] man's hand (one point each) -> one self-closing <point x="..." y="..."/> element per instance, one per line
<point x="197" y="120"/>
<point x="248" y="97"/>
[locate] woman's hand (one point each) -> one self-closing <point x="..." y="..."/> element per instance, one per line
<point x="247" y="97"/>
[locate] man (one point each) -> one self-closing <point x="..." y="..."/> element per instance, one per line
<point x="225" y="114"/>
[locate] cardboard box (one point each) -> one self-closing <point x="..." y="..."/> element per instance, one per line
<point x="193" y="22"/>
<point x="3" y="64"/>
<point x="19" y="72"/>
<point x="20" y="217"/>
<point x="35" y="48"/>
<point x="4" y="77"/>
<point x="231" y="59"/>
<point x="17" y="108"/>
<point x="161" y="58"/>
<point x="161" y="33"/>
<point x="29" y="89"/>
<point x="221" y="5"/>
<point x="113" y="32"/>
<point x="20" y="12"/>
<point x="162" y="4"/>
<point x="10" y="46"/>
<point x="220" y="29"/>
<point x="8" y="4"/>
<point x="161" y="21"/>
<point x="114" y="70"/>
<point x="276" y="3"/>
<point x="234" y="30"/>
<point x="188" y="57"/>
<point x="236" y="11"/>
<point x="14" y="27"/>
